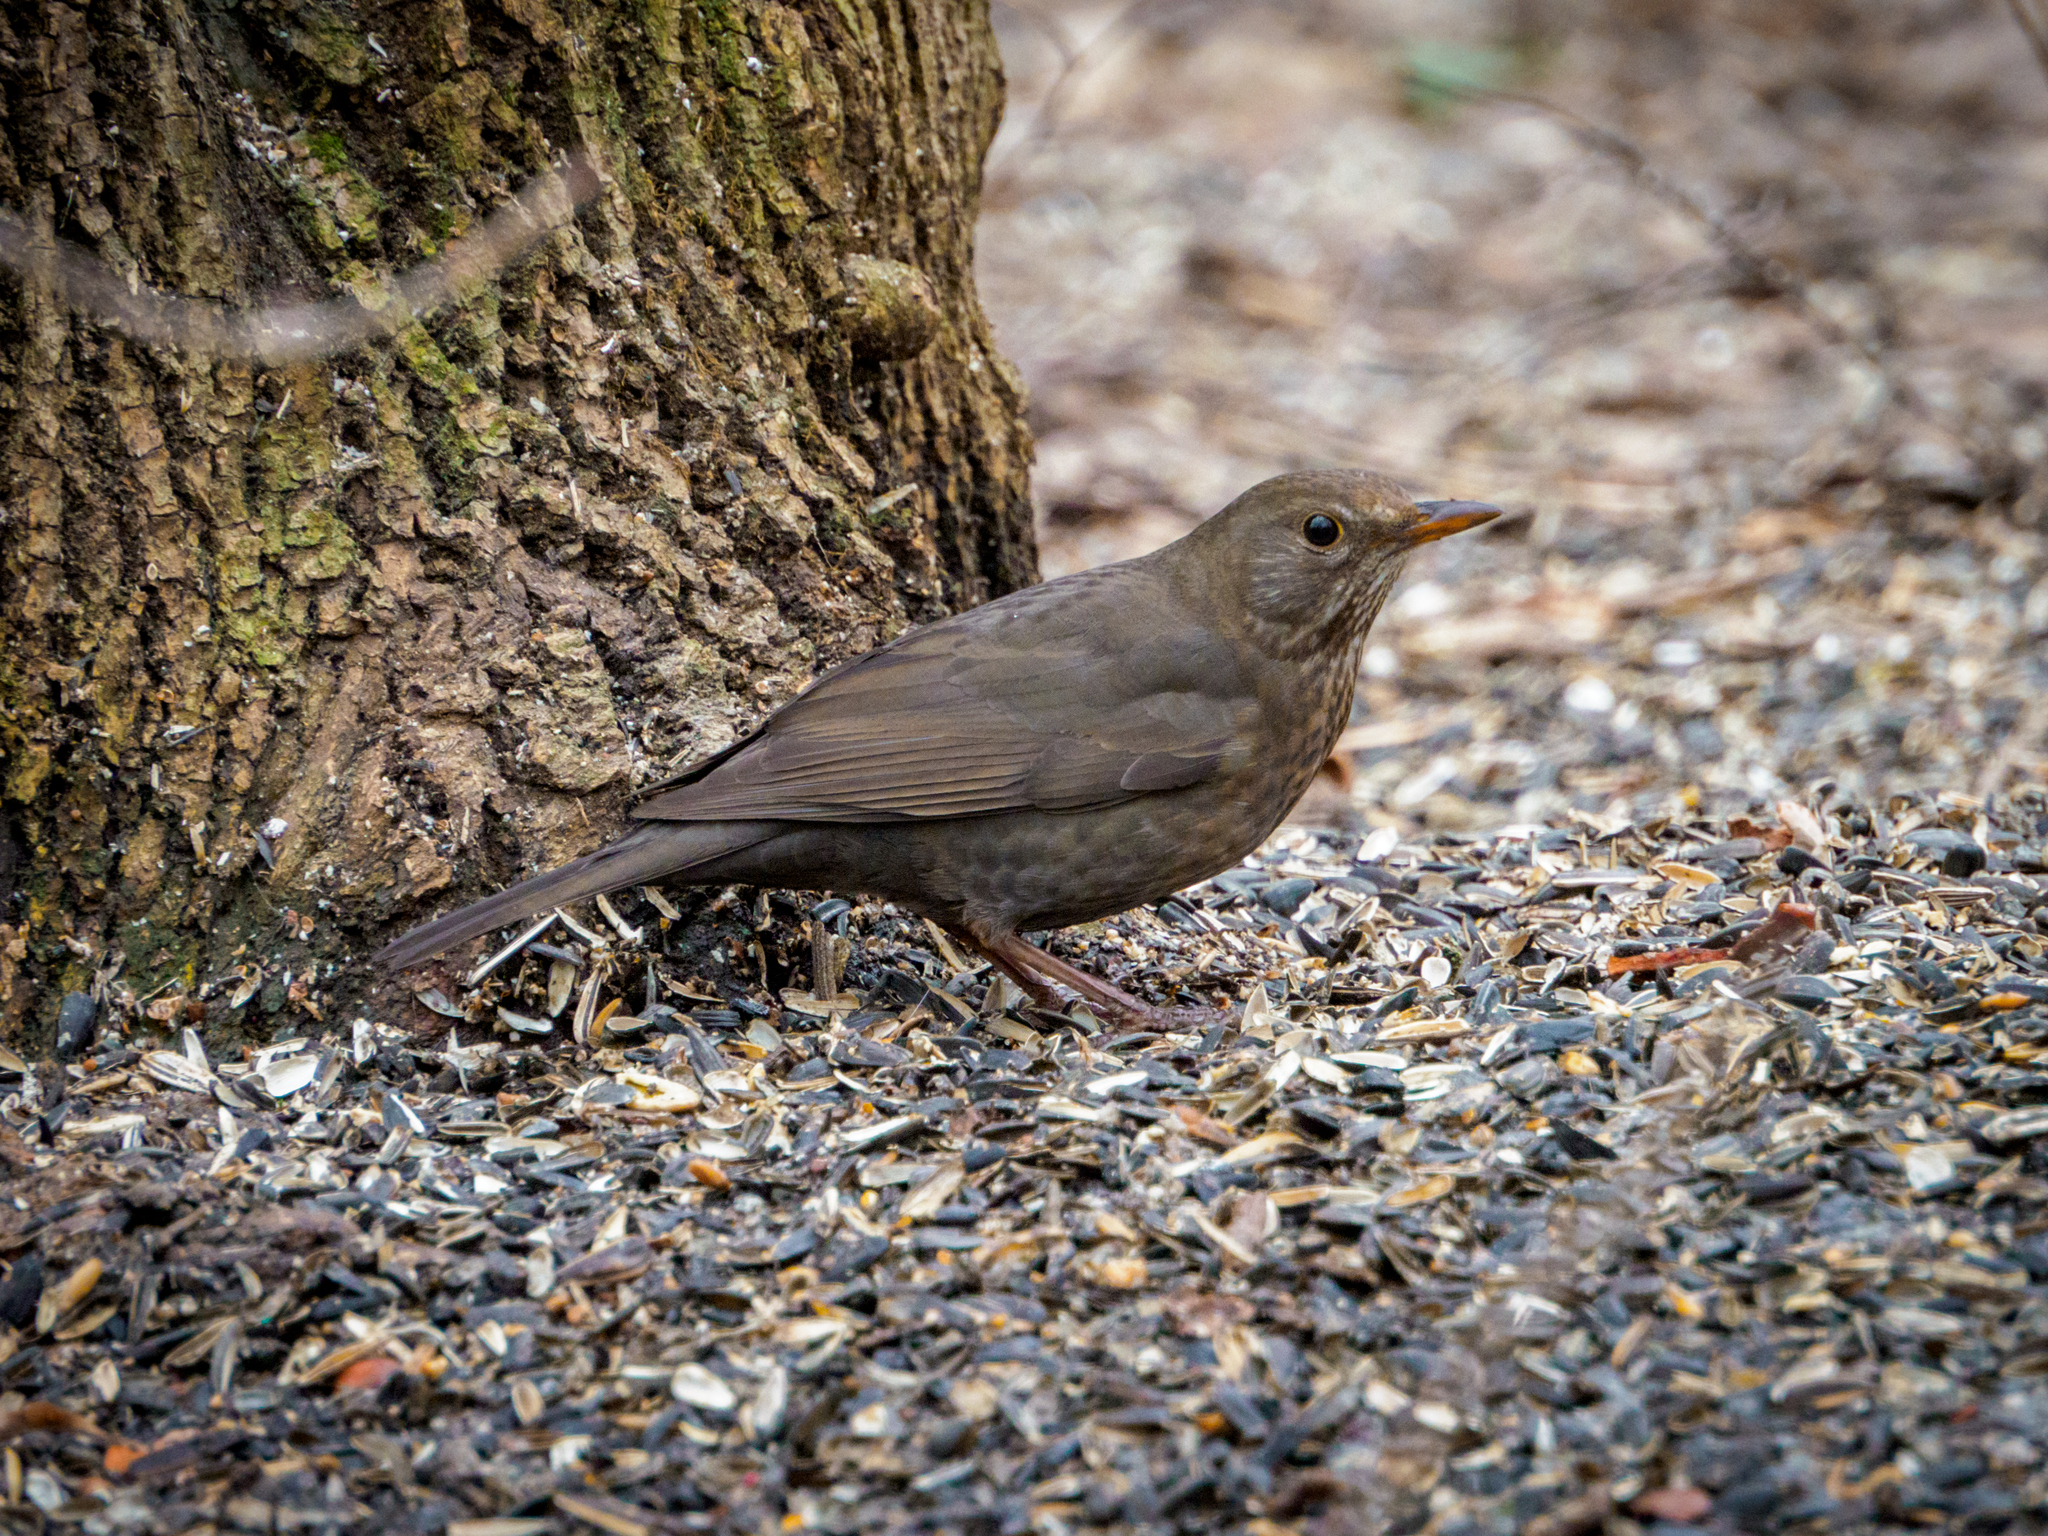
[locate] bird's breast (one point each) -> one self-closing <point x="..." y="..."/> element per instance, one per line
<point x="1302" y="714"/>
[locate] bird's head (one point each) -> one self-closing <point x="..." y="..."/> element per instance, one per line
<point x="1305" y="560"/>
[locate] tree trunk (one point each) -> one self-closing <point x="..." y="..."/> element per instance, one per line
<point x="291" y="648"/>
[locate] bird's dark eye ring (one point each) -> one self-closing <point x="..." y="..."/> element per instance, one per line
<point x="1322" y="530"/>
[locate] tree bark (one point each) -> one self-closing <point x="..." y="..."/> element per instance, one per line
<point x="288" y="649"/>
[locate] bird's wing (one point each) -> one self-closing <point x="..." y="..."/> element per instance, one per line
<point x="1021" y="704"/>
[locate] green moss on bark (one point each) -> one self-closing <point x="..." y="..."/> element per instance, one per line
<point x="408" y="592"/>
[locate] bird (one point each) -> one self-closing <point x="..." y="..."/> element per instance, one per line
<point x="1065" y="752"/>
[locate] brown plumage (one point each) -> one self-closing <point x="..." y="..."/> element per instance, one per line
<point x="1052" y="757"/>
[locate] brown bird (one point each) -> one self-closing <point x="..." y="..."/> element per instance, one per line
<point x="1060" y="754"/>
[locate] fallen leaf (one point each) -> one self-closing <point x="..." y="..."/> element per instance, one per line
<point x="1657" y="960"/>
<point x="366" y="1375"/>
<point x="708" y="1173"/>
<point x="1805" y="827"/>
<point x="50" y="1417"/>
<point x="1253" y="1218"/>
<point x="120" y="1457"/>
<point x="1786" y="927"/>
<point x="1775" y="839"/>
<point x="1681" y="1506"/>
<point x="1203" y="1128"/>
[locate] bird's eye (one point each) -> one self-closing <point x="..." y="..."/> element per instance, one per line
<point x="1322" y="530"/>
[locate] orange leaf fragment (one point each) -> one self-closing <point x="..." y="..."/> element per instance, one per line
<point x="1657" y="960"/>
<point x="1788" y="924"/>
<point x="1681" y="1506"/>
<point x="1775" y="839"/>
<point x="1203" y="1128"/>
<point x="120" y="1457"/>
<point x="367" y="1375"/>
<point x="709" y="1174"/>
<point x="53" y="1417"/>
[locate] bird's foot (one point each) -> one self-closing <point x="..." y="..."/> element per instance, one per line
<point x="1044" y="996"/>
<point x="1041" y="975"/>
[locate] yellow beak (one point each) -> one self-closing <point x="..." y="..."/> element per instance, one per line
<point x="1443" y="518"/>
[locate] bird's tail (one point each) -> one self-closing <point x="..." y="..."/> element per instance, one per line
<point x="649" y="853"/>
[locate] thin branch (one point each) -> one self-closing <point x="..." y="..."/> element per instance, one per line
<point x="1769" y="274"/>
<point x="1053" y="30"/>
<point x="2032" y="15"/>
<point x="294" y="332"/>
<point x="1045" y="116"/>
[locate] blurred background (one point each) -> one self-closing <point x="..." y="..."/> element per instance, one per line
<point x="1741" y="307"/>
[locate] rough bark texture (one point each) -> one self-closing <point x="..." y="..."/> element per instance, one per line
<point x="436" y="606"/>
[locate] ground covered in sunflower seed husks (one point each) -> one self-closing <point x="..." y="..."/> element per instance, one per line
<point x="1625" y="1114"/>
<point x="1676" y="1175"/>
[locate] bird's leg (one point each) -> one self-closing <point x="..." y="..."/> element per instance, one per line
<point x="1033" y="985"/>
<point x="1031" y="968"/>
<point x="1042" y="993"/>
